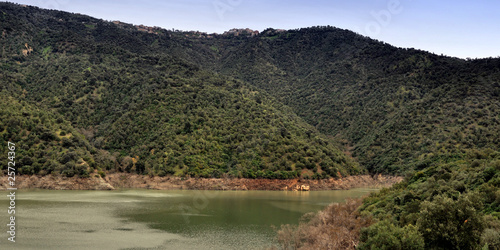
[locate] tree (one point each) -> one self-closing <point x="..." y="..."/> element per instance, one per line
<point x="386" y="235"/>
<point x="452" y="224"/>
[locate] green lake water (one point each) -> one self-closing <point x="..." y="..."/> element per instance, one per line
<point x="152" y="219"/>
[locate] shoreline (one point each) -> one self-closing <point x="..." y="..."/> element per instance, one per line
<point x="126" y="180"/>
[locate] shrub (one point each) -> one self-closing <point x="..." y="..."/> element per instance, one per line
<point x="336" y="227"/>
<point x="385" y="235"/>
<point x="446" y="223"/>
<point x="101" y="173"/>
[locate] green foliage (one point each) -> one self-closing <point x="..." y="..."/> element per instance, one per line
<point x="490" y="239"/>
<point x="145" y="111"/>
<point x="386" y="235"/>
<point x="394" y="109"/>
<point x="101" y="173"/>
<point x="39" y="148"/>
<point x="450" y="224"/>
<point x="453" y="204"/>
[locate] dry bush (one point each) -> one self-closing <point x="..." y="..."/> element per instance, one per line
<point x="336" y="227"/>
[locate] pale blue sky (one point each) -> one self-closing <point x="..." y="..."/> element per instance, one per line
<point x="457" y="28"/>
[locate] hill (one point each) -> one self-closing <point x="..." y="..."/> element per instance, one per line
<point x="153" y="113"/>
<point x="394" y="109"/>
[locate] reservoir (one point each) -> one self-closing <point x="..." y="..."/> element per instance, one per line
<point x="158" y="219"/>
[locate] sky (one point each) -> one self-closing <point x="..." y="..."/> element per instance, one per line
<point x="465" y="29"/>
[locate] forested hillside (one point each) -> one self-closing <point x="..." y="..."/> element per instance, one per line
<point x="46" y="143"/>
<point x="395" y="109"/>
<point x="148" y="112"/>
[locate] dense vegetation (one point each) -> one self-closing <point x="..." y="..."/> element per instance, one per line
<point x="453" y="205"/>
<point x="394" y="109"/>
<point x="80" y="95"/>
<point x="151" y="113"/>
<point x="46" y="143"/>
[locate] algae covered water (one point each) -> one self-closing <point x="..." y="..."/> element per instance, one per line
<point x="152" y="219"/>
